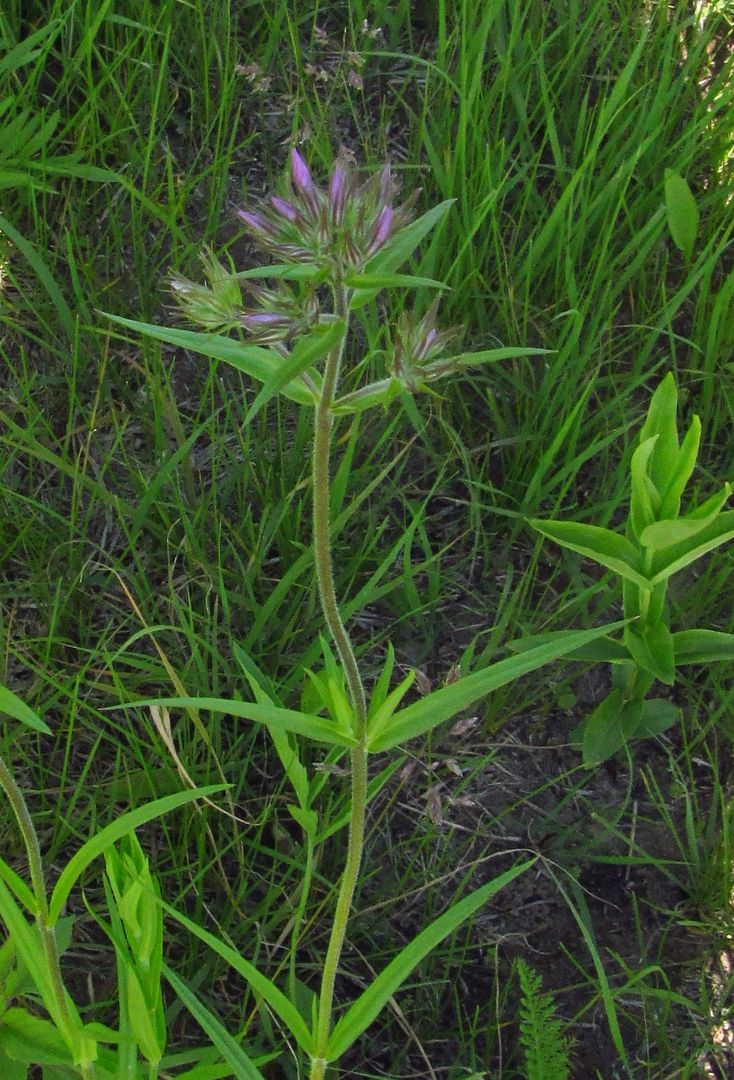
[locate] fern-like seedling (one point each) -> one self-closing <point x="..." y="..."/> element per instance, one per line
<point x="546" y="1045"/>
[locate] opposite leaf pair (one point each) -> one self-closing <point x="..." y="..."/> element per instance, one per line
<point x="658" y="542"/>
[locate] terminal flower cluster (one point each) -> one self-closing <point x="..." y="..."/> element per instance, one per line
<point x="341" y="227"/>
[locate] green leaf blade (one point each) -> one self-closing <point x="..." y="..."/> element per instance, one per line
<point x="241" y="1065"/>
<point x="313" y="727"/>
<point x="14" y="706"/>
<point x="113" y="832"/>
<point x="253" y="360"/>
<point x="371" y="1001"/>
<point x="260" y="983"/>
<point x="682" y="213"/>
<point x="608" y="548"/>
<point x="445" y="703"/>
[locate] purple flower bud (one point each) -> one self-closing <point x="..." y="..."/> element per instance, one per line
<point x="264" y="318"/>
<point x="303" y="183"/>
<point x="337" y="194"/>
<point x="425" y="345"/>
<point x="301" y="175"/>
<point x="284" y="208"/>
<point x="386" y="187"/>
<point x="256" y="222"/>
<point x="381" y="231"/>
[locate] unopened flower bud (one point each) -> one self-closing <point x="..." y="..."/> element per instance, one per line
<point x="386" y="187"/>
<point x="264" y="318"/>
<point x="337" y="194"/>
<point x="256" y="222"/>
<point x="381" y="231"/>
<point x="284" y="208"/>
<point x="424" y="346"/>
<point x="302" y="182"/>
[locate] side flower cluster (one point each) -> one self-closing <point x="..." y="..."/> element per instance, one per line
<point x="417" y="348"/>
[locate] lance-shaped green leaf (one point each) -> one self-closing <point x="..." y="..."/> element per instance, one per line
<point x="445" y="365"/>
<point x="260" y="983"/>
<point x="602" y="545"/>
<point x="645" y="502"/>
<point x="392" y="281"/>
<point x="682" y="213"/>
<point x="241" y="1065"/>
<point x="603" y="651"/>
<point x="313" y="727"/>
<point x="259" y="363"/>
<point x="652" y="650"/>
<point x="16" y="884"/>
<point x="113" y="832"/>
<point x="380" y="717"/>
<point x="702" y="646"/>
<point x="685" y="465"/>
<point x="308" y="350"/>
<point x="661" y="421"/>
<point x="27" y="941"/>
<point x="445" y="703"/>
<point x="14" y="706"/>
<point x="672" y="559"/>
<point x="399" y="248"/>
<point x="371" y="1001"/>
<point x="383" y="392"/>
<point x="664" y="534"/>
<point x="284" y="272"/>
<point x="610" y="727"/>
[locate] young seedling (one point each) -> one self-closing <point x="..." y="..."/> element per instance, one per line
<point x="659" y="540"/>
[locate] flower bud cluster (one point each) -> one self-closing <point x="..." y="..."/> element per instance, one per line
<point x="277" y="314"/>
<point x="218" y="306"/>
<point x="341" y="227"/>
<point x="417" y="348"/>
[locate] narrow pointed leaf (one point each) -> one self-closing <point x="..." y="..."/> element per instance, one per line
<point x="664" y="534"/>
<point x="313" y="727"/>
<point x="673" y="559"/>
<point x="113" y="832"/>
<point x="399" y="248"/>
<point x="684" y="467"/>
<point x="260" y="983"/>
<point x="370" y="1003"/>
<point x="14" y="706"/>
<point x="443" y="704"/>
<point x="17" y="886"/>
<point x="642" y="508"/>
<point x="602" y="651"/>
<point x="241" y="1065"/>
<point x="486" y="356"/>
<point x="392" y="281"/>
<point x="602" y="545"/>
<point x="257" y="362"/>
<point x="702" y="646"/>
<point x="661" y="421"/>
<point x="283" y="271"/>
<point x="384" y="712"/>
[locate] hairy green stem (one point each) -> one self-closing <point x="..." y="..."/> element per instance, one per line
<point x="358" y="753"/>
